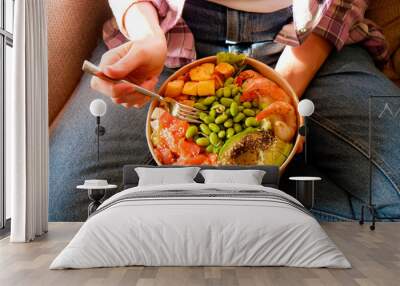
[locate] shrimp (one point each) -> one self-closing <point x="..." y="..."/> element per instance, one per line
<point x="265" y="90"/>
<point x="247" y="74"/>
<point x="283" y="118"/>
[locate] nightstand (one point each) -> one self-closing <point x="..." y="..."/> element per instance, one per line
<point x="305" y="190"/>
<point x="96" y="195"/>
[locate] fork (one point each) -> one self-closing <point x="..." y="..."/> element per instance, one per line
<point x="176" y="109"/>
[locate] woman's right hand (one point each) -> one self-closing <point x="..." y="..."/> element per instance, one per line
<point x="140" y="62"/>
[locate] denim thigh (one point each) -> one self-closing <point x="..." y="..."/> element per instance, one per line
<point x="73" y="147"/>
<point x="338" y="139"/>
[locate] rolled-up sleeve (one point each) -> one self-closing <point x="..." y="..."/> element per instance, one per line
<point x="169" y="11"/>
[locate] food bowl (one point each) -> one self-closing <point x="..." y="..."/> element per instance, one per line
<point x="258" y="66"/>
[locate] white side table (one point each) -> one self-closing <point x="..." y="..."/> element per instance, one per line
<point x="305" y="190"/>
<point x="96" y="194"/>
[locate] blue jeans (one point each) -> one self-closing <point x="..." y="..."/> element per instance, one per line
<point x="338" y="131"/>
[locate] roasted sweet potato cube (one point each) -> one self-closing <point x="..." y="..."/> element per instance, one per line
<point x="206" y="88"/>
<point x="174" y="88"/>
<point x="227" y="70"/>
<point x="190" y="88"/>
<point x="208" y="68"/>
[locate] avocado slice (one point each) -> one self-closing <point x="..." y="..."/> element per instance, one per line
<point x="254" y="148"/>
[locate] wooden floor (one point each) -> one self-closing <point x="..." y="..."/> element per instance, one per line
<point x="375" y="257"/>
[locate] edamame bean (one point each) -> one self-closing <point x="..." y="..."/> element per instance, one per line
<point x="254" y="103"/>
<point x="251" y="122"/>
<point x="221" y="118"/>
<point x="263" y="105"/>
<point x="209" y="100"/>
<point x="249" y="112"/>
<point x="219" y="108"/>
<point x="221" y="134"/>
<point x="235" y="90"/>
<point x="204" y="128"/>
<point x="202" y="115"/>
<point x="227" y="91"/>
<point x="226" y="101"/>
<point x="220" y="92"/>
<point x="214" y="127"/>
<point x="214" y="138"/>
<point x="228" y="81"/>
<point x="191" y="131"/>
<point x="202" y="141"/>
<point x="214" y="103"/>
<point x="241" y="108"/>
<point x="200" y="106"/>
<point x="234" y="109"/>
<point x="237" y="127"/>
<point x="237" y="98"/>
<point x="239" y="117"/>
<point x="212" y="114"/>
<point x="246" y="104"/>
<point x="210" y="148"/>
<point x="230" y="132"/>
<point x="251" y="129"/>
<point x="216" y="149"/>
<point x="228" y="123"/>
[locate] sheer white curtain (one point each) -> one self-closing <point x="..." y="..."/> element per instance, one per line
<point x="27" y="124"/>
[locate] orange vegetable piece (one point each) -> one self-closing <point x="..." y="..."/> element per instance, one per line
<point x="174" y="88"/>
<point x="227" y="70"/>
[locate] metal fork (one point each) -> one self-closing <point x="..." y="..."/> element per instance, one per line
<point x="176" y="109"/>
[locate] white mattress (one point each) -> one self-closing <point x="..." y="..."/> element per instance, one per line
<point x="194" y="231"/>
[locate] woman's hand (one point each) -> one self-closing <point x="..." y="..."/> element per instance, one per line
<point x="141" y="60"/>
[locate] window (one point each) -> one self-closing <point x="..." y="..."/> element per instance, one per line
<point x="6" y="44"/>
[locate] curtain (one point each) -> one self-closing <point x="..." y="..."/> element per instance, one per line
<point x="27" y="124"/>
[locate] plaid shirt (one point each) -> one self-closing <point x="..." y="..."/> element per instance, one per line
<point x="341" y="22"/>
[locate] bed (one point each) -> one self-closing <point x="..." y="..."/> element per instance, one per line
<point x="201" y="224"/>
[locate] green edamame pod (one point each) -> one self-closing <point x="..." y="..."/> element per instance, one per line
<point x="249" y="112"/>
<point x="209" y="100"/>
<point x="220" y="92"/>
<point x="202" y="141"/>
<point x="251" y="122"/>
<point x="191" y="131"/>
<point x="221" y="134"/>
<point x="214" y="138"/>
<point x="227" y="91"/>
<point x="226" y="101"/>
<point x="204" y="128"/>
<point x="214" y="127"/>
<point x="239" y="117"/>
<point x="246" y="104"/>
<point x="228" y="123"/>
<point x="230" y="132"/>
<point x="237" y="127"/>
<point x="210" y="149"/>
<point x="221" y="118"/>
<point x="200" y="106"/>
<point x="234" y="109"/>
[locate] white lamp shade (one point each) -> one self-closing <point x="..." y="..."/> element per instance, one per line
<point x="306" y="107"/>
<point x="98" y="107"/>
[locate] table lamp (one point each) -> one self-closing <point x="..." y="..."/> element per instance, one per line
<point x="306" y="109"/>
<point x="98" y="108"/>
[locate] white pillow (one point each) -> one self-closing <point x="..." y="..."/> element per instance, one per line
<point x="166" y="176"/>
<point x="248" y="177"/>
